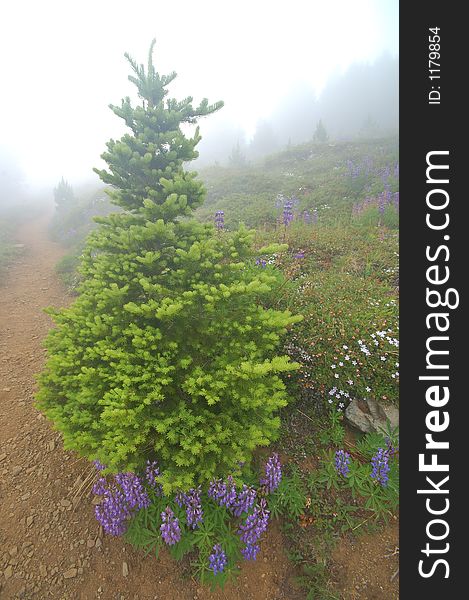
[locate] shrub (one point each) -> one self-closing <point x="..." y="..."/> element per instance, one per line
<point x="167" y="354"/>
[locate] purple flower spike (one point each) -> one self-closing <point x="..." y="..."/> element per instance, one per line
<point x="113" y="512"/>
<point x="255" y="524"/>
<point x="380" y="466"/>
<point x="250" y="551"/>
<point x="134" y="492"/>
<point x="220" y="219"/>
<point x="273" y="473"/>
<point x="152" y="471"/>
<point x="100" y="487"/>
<point x="194" y="512"/>
<point x="170" y="531"/>
<point x="342" y="461"/>
<point x="224" y="493"/>
<point x="244" y="501"/>
<point x="288" y="212"/>
<point x="217" y="560"/>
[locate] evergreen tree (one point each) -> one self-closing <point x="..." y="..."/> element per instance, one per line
<point x="237" y="158"/>
<point x="264" y="141"/>
<point x="63" y="195"/>
<point x="320" y="134"/>
<point x="167" y="353"/>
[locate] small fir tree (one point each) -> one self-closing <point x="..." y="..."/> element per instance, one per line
<point x="320" y="134"/>
<point x="64" y="196"/>
<point x="168" y="352"/>
<point x="237" y="159"/>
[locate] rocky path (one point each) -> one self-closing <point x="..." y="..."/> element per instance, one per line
<point x="50" y="543"/>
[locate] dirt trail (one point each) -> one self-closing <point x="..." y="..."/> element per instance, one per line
<point x="50" y="545"/>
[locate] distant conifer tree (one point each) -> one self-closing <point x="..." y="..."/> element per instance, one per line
<point x="237" y="158"/>
<point x="320" y="135"/>
<point x="63" y="195"/>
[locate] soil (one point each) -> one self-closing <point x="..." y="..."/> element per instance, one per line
<point x="50" y="543"/>
<point x="366" y="567"/>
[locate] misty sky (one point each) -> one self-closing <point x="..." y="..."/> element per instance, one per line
<point x="62" y="64"/>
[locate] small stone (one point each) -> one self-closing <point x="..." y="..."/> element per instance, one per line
<point x="29" y="521"/>
<point x="6" y="390"/>
<point x="65" y="503"/>
<point x="25" y="496"/>
<point x="90" y="543"/>
<point x="43" y="570"/>
<point x="16" y="470"/>
<point x="13" y="551"/>
<point x="98" y="543"/>
<point x="2" y="456"/>
<point x="51" y="445"/>
<point x="8" y="572"/>
<point x="71" y="573"/>
<point x="125" y="569"/>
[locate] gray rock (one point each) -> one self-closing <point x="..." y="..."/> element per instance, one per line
<point x="371" y="416"/>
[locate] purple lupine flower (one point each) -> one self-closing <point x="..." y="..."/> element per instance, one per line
<point x="342" y="461"/>
<point x="194" y="512"/>
<point x="220" y="219"/>
<point x="170" y="530"/>
<point x="380" y="466"/>
<point x="381" y="203"/>
<point x="391" y="450"/>
<point x="179" y="498"/>
<point x="152" y="471"/>
<point x="133" y="490"/>
<point x="250" y="551"/>
<point x="261" y="262"/>
<point x="113" y="511"/>
<point x="217" y="560"/>
<point x="244" y="501"/>
<point x="99" y="465"/>
<point x="287" y="212"/>
<point x="229" y="497"/>
<point x="299" y="255"/>
<point x="216" y="489"/>
<point x="273" y="473"/>
<point x="100" y="486"/>
<point x="279" y="200"/>
<point x="255" y="524"/>
<point x="224" y="493"/>
<point x="306" y="216"/>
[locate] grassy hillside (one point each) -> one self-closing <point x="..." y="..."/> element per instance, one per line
<point x="328" y="178"/>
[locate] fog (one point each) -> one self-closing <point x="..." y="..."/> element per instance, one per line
<point x="279" y="67"/>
